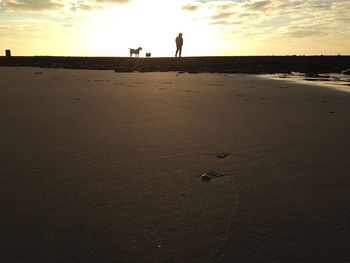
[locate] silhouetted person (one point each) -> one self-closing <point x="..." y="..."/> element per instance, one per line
<point x="179" y="42"/>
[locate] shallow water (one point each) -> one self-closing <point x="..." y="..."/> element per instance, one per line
<point x="333" y="80"/>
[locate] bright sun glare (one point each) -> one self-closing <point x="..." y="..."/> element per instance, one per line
<point x="142" y="24"/>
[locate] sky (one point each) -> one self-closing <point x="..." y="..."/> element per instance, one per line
<point x="209" y="27"/>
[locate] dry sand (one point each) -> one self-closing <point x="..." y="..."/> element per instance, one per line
<point x="98" y="166"/>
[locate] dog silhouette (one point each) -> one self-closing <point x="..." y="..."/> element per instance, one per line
<point x="135" y="51"/>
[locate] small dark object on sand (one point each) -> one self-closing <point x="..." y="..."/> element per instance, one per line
<point x="38" y="72"/>
<point x="211" y="175"/>
<point x="205" y="177"/>
<point x="222" y="155"/>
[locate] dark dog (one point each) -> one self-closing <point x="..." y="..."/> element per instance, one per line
<point x="148" y="55"/>
<point x="135" y="51"/>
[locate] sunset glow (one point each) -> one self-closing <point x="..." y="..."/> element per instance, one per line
<point x="210" y="28"/>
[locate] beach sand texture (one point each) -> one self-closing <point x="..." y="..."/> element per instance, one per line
<point x="98" y="166"/>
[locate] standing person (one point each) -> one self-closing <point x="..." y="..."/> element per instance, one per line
<point x="179" y="42"/>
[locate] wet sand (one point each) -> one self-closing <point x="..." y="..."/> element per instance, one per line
<point x="98" y="166"/>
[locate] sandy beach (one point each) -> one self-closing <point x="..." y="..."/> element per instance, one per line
<point x="99" y="166"/>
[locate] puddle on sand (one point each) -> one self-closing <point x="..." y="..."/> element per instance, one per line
<point x="338" y="81"/>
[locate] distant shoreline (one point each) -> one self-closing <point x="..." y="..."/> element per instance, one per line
<point x="221" y="64"/>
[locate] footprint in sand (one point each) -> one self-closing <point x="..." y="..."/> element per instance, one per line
<point x="191" y="91"/>
<point x="216" y="85"/>
<point x="222" y="155"/>
<point x="206" y="177"/>
<point x="74" y="100"/>
<point x="122" y="85"/>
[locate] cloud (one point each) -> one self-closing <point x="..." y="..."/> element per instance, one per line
<point x="81" y="5"/>
<point x="222" y="15"/>
<point x="221" y="5"/>
<point x="212" y="12"/>
<point x="112" y="1"/>
<point x="225" y="23"/>
<point x="301" y="33"/>
<point x="31" y="5"/>
<point x="54" y="5"/>
<point x="93" y="5"/>
<point x="253" y="15"/>
<point x="190" y="7"/>
<point x="208" y="5"/>
<point x="345" y="20"/>
<point x="257" y="6"/>
<point x="30" y="28"/>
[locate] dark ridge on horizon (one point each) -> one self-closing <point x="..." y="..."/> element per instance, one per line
<point x="211" y="64"/>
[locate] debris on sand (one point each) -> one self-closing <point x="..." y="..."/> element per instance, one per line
<point x="211" y="175"/>
<point x="222" y="155"/>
